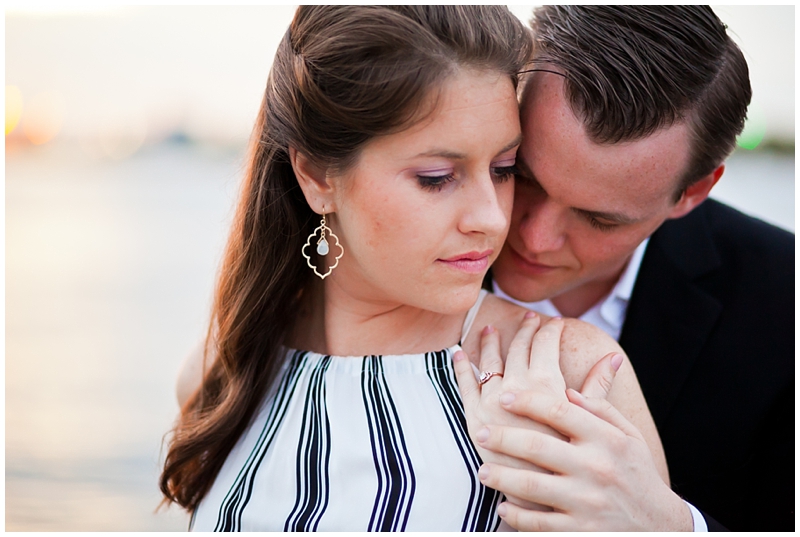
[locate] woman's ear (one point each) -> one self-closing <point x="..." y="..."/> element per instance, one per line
<point x="314" y="181"/>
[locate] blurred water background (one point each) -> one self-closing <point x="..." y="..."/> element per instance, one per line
<point x="125" y="134"/>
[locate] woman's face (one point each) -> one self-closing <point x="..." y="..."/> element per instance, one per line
<point x="424" y="212"/>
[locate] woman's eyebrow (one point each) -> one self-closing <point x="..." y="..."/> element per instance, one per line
<point x="514" y="143"/>
<point x="461" y="156"/>
<point x="443" y="153"/>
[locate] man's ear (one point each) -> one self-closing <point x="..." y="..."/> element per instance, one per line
<point x="696" y="193"/>
<point x="314" y="181"/>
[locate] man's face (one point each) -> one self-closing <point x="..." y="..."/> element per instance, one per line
<point x="581" y="208"/>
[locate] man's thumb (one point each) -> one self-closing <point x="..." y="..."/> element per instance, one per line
<point x="601" y="377"/>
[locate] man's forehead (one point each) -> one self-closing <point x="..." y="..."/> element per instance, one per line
<point x="632" y="176"/>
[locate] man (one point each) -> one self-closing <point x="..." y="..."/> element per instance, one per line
<point x="628" y="117"/>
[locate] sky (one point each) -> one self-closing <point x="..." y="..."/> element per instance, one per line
<point x="136" y="74"/>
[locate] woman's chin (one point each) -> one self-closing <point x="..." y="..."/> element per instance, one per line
<point x="457" y="301"/>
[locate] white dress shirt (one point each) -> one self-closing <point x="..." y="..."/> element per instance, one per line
<point x="608" y="315"/>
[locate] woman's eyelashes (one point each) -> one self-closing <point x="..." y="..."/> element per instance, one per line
<point x="436" y="181"/>
<point x="504" y="173"/>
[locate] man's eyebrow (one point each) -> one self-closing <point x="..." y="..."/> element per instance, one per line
<point x="616" y="218"/>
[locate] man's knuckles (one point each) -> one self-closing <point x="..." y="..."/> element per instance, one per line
<point x="542" y="385"/>
<point x="533" y="404"/>
<point x="524" y="520"/>
<point x="517" y="441"/>
<point x="618" y="443"/>
<point x="557" y="411"/>
<point x="530" y="487"/>
<point x="604" y="472"/>
<point x="532" y="443"/>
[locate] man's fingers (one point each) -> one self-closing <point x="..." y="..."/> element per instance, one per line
<point x="520" y="348"/>
<point x="536" y="447"/>
<point x="560" y="414"/>
<point x="605" y="411"/>
<point x="545" y="352"/>
<point x="467" y="383"/>
<point x="529" y="485"/>
<point x="490" y="355"/>
<point x="526" y="520"/>
<point x="601" y="377"/>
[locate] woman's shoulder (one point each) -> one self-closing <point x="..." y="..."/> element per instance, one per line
<point x="582" y="344"/>
<point x="502" y="315"/>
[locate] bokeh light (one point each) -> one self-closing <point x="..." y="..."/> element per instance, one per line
<point x="120" y="130"/>
<point x="43" y="117"/>
<point x="121" y="138"/>
<point x="13" y="108"/>
<point x="755" y="128"/>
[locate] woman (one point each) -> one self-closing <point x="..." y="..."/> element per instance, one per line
<point x="378" y="193"/>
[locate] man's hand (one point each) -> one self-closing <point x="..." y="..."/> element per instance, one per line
<point x="600" y="475"/>
<point x="532" y="360"/>
<point x="604" y="477"/>
<point x="600" y="378"/>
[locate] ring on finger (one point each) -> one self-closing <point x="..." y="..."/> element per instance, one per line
<point x="486" y="375"/>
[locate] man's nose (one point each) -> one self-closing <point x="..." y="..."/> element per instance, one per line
<point x="541" y="227"/>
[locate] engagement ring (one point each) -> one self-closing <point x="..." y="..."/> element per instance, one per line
<point x="486" y="375"/>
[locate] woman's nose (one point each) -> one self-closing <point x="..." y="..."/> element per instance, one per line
<point x="488" y="208"/>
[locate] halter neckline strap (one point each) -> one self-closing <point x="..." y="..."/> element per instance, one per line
<point x="471" y="314"/>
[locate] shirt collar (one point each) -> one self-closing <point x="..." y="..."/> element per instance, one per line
<point x="613" y="308"/>
<point x="624" y="287"/>
<point x="609" y="313"/>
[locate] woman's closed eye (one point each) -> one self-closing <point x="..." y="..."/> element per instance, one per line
<point x="504" y="173"/>
<point x="434" y="182"/>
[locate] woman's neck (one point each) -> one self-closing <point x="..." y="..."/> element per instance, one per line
<point x="335" y="321"/>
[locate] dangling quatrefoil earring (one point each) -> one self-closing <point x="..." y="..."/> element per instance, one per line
<point x="323" y="247"/>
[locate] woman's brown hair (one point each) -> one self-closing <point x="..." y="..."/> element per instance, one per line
<point x="341" y="76"/>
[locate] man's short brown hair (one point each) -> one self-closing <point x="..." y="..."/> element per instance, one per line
<point x="631" y="70"/>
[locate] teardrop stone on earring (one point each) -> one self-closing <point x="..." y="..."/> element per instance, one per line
<point x="322" y="247"/>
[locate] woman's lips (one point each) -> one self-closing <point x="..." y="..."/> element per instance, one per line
<point x="528" y="267"/>
<point x="471" y="262"/>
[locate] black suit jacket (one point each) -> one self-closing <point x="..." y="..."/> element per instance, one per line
<point x="710" y="333"/>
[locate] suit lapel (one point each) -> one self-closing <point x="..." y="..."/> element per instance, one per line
<point x="669" y="317"/>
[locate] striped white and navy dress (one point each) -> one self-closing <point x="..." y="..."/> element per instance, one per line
<point x="372" y="443"/>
